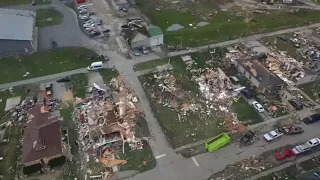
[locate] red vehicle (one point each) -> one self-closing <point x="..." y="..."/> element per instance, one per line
<point x="284" y="154"/>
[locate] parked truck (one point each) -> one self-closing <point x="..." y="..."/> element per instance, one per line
<point x="217" y="142"/>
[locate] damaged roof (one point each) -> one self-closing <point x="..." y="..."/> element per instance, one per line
<point x="132" y="34"/>
<point x="42" y="136"/>
<point x="266" y="78"/>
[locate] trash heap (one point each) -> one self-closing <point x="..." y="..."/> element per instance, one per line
<point x="106" y="120"/>
<point x="171" y="95"/>
<point x="217" y="90"/>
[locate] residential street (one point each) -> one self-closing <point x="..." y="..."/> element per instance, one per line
<point x="171" y="166"/>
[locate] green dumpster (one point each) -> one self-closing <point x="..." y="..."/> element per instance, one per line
<point x="217" y="142"/>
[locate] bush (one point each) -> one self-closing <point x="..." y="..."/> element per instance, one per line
<point x="57" y="161"/>
<point x="32" y="169"/>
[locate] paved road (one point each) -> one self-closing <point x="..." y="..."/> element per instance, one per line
<point x="171" y="166"/>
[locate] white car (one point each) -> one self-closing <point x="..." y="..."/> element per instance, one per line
<point x="313" y="142"/>
<point x="88" y="25"/>
<point x="272" y="135"/>
<point x="90" y="28"/>
<point x="88" y="21"/>
<point x="301" y="148"/>
<point x="83" y="11"/>
<point x="257" y="106"/>
<point x="83" y="17"/>
<point x="82" y="7"/>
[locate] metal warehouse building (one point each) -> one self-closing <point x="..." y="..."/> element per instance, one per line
<point x="17" y="32"/>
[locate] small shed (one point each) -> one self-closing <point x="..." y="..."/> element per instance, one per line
<point x="156" y="34"/>
<point x="120" y="4"/>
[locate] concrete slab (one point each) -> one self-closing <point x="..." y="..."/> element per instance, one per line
<point x="12" y="102"/>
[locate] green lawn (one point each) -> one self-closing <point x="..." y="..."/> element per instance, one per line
<point x="44" y="63"/>
<point x="312" y="90"/>
<point x="223" y="25"/>
<point x="48" y="17"/>
<point x="283" y="45"/>
<point x="14" y="2"/>
<point x="71" y="171"/>
<point x="139" y="160"/>
<point x="10" y="154"/>
<point x="192" y="128"/>
<point x="79" y="83"/>
<point x="108" y="74"/>
<point x="201" y="58"/>
<point x="246" y="113"/>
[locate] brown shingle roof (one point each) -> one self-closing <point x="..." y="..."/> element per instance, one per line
<point x="42" y="133"/>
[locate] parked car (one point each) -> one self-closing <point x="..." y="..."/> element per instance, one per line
<point x="301" y="148"/>
<point x="90" y="29"/>
<point x="89" y="21"/>
<point x="144" y="50"/>
<point x="272" y="135"/>
<point x="48" y="88"/>
<point x="136" y="52"/>
<point x="82" y="7"/>
<point x="83" y="11"/>
<point x="124" y="10"/>
<point x="83" y="17"/>
<point x="296" y="104"/>
<point x="257" y="106"/>
<point x="313" y="142"/>
<point x="284" y="154"/>
<point x="64" y="79"/>
<point x="312" y="118"/>
<point x="247" y="93"/>
<point x="88" y="25"/>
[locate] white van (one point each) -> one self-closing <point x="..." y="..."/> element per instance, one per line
<point x="95" y="66"/>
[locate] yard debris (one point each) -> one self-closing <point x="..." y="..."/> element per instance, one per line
<point x="175" y="27"/>
<point x="107" y="120"/>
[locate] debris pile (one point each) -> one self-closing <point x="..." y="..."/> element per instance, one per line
<point x="217" y="90"/>
<point x="107" y="120"/>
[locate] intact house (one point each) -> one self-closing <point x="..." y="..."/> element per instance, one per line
<point x="17" y="33"/>
<point x="148" y="36"/>
<point x="120" y="4"/>
<point x="259" y="76"/>
<point x="42" y="138"/>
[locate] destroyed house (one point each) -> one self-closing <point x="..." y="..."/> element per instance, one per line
<point x="264" y="80"/>
<point x="42" y="138"/>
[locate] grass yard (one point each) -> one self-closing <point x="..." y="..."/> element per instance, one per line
<point x="201" y="58"/>
<point x="283" y="45"/>
<point x="70" y="171"/>
<point x="193" y="128"/>
<point x="79" y="83"/>
<point x="48" y="17"/>
<point x="108" y="74"/>
<point x="14" y="2"/>
<point x="8" y="166"/>
<point x="246" y="113"/>
<point x="222" y="25"/>
<point x="312" y="90"/>
<point x="139" y="160"/>
<point x="44" y="63"/>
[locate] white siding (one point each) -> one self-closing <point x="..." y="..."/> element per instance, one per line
<point x="156" y="40"/>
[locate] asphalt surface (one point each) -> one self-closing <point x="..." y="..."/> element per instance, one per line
<point x="172" y="166"/>
<point x="65" y="34"/>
